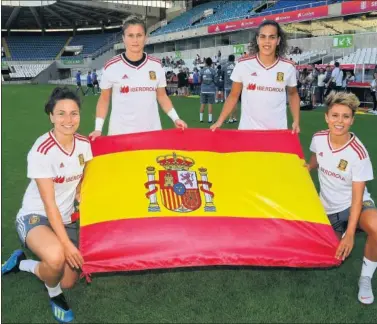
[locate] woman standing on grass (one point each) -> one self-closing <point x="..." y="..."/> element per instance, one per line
<point x="344" y="167"/>
<point x="55" y="166"/>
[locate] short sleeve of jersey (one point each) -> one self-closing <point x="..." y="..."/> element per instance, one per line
<point x="162" y="78"/>
<point x="362" y="170"/>
<point x="237" y="73"/>
<point x="39" y="166"/>
<point x="89" y="154"/>
<point x="313" y="146"/>
<point x="105" y="80"/>
<point x="292" y="79"/>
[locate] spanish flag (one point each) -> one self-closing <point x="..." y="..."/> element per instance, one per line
<point x="188" y="198"/>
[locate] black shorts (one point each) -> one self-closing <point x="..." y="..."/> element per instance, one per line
<point x="27" y="222"/>
<point x="339" y="221"/>
<point x="78" y="84"/>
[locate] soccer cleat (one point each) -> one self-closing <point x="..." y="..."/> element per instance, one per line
<point x="365" y="291"/>
<point x="13" y="263"/>
<point x="60" y="309"/>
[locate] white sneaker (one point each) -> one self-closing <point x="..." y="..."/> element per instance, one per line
<point x="365" y="291"/>
<point x="374" y="112"/>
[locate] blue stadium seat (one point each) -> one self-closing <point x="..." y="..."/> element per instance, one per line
<point x="32" y="48"/>
<point x="91" y="42"/>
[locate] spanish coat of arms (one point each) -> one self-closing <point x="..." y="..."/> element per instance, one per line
<point x="179" y="187"/>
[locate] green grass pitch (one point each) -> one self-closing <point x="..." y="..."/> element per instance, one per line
<point x="193" y="295"/>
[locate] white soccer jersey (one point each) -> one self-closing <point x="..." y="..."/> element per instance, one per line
<point x="338" y="169"/>
<point x="47" y="159"/>
<point x="134" y="98"/>
<point x="264" y="99"/>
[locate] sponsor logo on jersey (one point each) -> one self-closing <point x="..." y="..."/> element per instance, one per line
<point x="34" y="219"/>
<point x="332" y="174"/>
<point x="251" y="86"/>
<point x="127" y="89"/>
<point x="124" y="89"/>
<point x="254" y="74"/>
<point x="58" y="179"/>
<point x="152" y="75"/>
<point x="81" y="159"/>
<point x="342" y="166"/>
<point x="280" y="77"/>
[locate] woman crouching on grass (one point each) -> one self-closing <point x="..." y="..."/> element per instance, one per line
<point x="55" y="166"/>
<point x="344" y="167"/>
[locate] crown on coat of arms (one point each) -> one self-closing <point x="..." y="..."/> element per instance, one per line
<point x="175" y="162"/>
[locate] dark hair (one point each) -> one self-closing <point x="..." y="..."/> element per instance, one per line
<point x="336" y="64"/>
<point x="281" y="49"/>
<point x="133" y="20"/>
<point x="231" y="58"/>
<point x="58" y="94"/>
<point x="208" y="61"/>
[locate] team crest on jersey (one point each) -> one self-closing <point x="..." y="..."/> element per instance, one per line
<point x="342" y="166"/>
<point x="180" y="189"/>
<point x="34" y="219"/>
<point x="280" y="77"/>
<point x="152" y="75"/>
<point x="81" y="159"/>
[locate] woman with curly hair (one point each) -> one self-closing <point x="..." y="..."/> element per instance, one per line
<point x="263" y="78"/>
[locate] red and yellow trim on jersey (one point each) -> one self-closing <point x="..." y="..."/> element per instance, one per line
<point x="196" y="198"/>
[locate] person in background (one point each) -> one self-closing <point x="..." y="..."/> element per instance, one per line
<point x="195" y="79"/>
<point x="207" y="90"/>
<point x="321" y="86"/>
<point x="336" y="80"/>
<point x="78" y="83"/>
<point x="89" y="83"/>
<point x="373" y="92"/>
<point x="219" y="81"/>
<point x="350" y="77"/>
<point x="228" y="70"/>
<point x="95" y="80"/>
<point x="327" y="79"/>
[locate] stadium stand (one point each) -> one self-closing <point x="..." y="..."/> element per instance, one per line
<point x="361" y="56"/>
<point x="32" y="48"/>
<point x="22" y="71"/>
<point x="183" y="21"/>
<point x="91" y="42"/>
<point x="232" y="10"/>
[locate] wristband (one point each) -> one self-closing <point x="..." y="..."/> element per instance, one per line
<point x="99" y="124"/>
<point x="173" y="115"/>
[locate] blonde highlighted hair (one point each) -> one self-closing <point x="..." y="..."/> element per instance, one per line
<point x="342" y="98"/>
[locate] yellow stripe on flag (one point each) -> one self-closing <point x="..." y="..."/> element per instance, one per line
<point x="244" y="184"/>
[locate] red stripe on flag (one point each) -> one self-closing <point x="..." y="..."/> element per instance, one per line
<point x="169" y="242"/>
<point x="221" y="141"/>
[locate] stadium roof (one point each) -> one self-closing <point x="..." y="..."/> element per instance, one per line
<point x="66" y="14"/>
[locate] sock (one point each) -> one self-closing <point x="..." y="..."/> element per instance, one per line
<point x="209" y="117"/>
<point x="28" y="265"/>
<point x="368" y="268"/>
<point x="55" y="291"/>
<point x="201" y="116"/>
